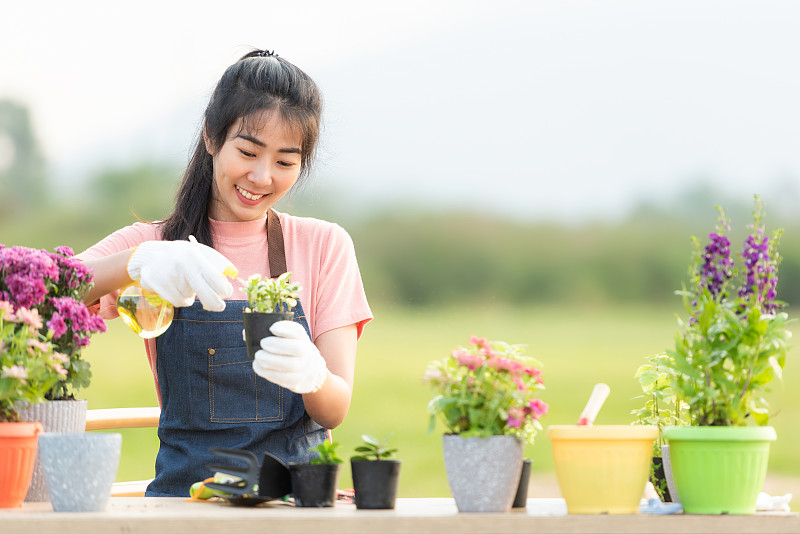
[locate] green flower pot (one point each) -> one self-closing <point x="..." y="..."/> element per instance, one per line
<point x="719" y="469"/>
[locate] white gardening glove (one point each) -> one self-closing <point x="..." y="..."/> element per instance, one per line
<point x="289" y="358"/>
<point x="177" y="270"/>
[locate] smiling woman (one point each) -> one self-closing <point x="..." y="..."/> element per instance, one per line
<point x="260" y="132"/>
<point x="253" y="168"/>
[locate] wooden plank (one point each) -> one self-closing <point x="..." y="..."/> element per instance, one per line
<point x="417" y="516"/>
<point x="113" y="418"/>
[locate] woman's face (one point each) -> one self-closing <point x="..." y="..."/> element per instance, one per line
<point x="254" y="168"/>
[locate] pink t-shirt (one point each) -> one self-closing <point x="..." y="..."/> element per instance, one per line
<point x="320" y="255"/>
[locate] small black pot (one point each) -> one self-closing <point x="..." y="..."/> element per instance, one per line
<point x="521" y="499"/>
<point x="375" y="483"/>
<point x="256" y="328"/>
<point x="659" y="480"/>
<point x="314" y="485"/>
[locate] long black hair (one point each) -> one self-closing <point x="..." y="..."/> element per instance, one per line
<point x="260" y="81"/>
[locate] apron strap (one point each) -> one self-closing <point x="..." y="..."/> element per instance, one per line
<point x="275" y="248"/>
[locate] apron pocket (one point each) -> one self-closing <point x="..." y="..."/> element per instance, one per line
<point x="237" y="394"/>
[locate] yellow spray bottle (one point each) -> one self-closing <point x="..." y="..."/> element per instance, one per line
<point x="145" y="312"/>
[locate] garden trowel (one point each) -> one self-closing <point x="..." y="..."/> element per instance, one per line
<point x="269" y="481"/>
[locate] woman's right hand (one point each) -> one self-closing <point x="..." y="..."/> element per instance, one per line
<point x="179" y="270"/>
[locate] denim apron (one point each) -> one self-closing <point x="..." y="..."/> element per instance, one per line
<point x="211" y="397"/>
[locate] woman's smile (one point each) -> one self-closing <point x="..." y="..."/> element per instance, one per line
<point x="251" y="198"/>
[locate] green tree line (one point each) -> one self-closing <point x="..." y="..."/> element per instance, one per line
<point x="441" y="258"/>
<point x="412" y="258"/>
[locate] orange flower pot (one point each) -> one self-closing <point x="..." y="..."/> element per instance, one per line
<point x="17" y="455"/>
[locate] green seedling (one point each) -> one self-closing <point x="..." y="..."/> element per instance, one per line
<point x="327" y="453"/>
<point x="374" y="450"/>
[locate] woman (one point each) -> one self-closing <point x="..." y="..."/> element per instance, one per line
<point x="259" y="137"/>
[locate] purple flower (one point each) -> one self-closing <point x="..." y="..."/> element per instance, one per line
<point x="26" y="291"/>
<point x="65" y="251"/>
<point x="717" y="266"/>
<point x="760" y="272"/>
<point x="57" y="325"/>
<point x="26" y="275"/>
<point x="78" y="319"/>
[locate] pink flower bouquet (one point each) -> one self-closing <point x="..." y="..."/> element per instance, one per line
<point x="487" y="389"/>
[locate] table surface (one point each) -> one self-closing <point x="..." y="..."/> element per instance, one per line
<point x="419" y="516"/>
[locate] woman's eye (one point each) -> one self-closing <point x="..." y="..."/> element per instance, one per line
<point x="286" y="164"/>
<point x="247" y="154"/>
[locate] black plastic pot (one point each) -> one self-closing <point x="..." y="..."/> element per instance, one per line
<point x="314" y="485"/>
<point x="521" y="499"/>
<point x="375" y="483"/>
<point x="256" y="328"/>
<point x="659" y="480"/>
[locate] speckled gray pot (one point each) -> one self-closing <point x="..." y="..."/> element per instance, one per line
<point x="55" y="416"/>
<point x="483" y="473"/>
<point x="79" y="469"/>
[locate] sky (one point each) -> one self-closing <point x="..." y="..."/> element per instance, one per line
<point x="560" y="109"/>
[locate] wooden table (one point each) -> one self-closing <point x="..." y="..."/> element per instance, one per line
<point x="418" y="516"/>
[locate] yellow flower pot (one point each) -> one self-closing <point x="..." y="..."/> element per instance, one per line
<point x="602" y="469"/>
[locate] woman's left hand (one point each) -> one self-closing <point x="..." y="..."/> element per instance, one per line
<point x="289" y="358"/>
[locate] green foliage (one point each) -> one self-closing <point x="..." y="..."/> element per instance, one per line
<point x="266" y="295"/>
<point x="118" y="196"/>
<point x="28" y="367"/>
<point x="373" y="449"/>
<point x="327" y="453"/>
<point x="735" y="341"/>
<point x="660" y="407"/>
<point x="659" y="481"/>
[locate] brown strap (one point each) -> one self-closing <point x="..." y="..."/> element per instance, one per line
<point x="275" y="250"/>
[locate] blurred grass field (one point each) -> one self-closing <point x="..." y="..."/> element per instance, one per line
<point x="577" y="346"/>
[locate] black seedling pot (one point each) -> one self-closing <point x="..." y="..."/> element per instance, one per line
<point x="521" y="498"/>
<point x="375" y="483"/>
<point x="256" y="328"/>
<point x="314" y="485"/>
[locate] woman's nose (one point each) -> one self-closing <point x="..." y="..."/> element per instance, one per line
<point x="260" y="175"/>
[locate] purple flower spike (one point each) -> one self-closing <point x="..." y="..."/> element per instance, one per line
<point x="717" y="266"/>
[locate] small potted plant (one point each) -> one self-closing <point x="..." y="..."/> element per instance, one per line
<point x="28" y="369"/>
<point x="314" y="484"/>
<point x="487" y="397"/>
<point x="53" y="284"/>
<point x="661" y="408"/>
<point x="269" y="300"/>
<point x="728" y="350"/>
<point x="375" y="474"/>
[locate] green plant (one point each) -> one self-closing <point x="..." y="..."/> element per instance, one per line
<point x="661" y="407"/>
<point x="487" y="389"/>
<point x="734" y="342"/>
<point x="267" y="295"/>
<point x="28" y="365"/>
<point x="327" y="453"/>
<point x="374" y="450"/>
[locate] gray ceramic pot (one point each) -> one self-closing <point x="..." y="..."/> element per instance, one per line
<point x="80" y="469"/>
<point x="483" y="473"/>
<point x="55" y="416"/>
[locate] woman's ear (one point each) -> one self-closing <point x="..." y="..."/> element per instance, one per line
<point x="207" y="141"/>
